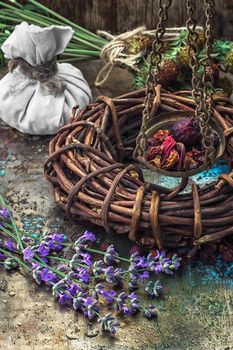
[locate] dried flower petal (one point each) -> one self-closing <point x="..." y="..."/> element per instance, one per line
<point x="171" y="160"/>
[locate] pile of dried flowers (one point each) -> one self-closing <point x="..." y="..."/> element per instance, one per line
<point x="178" y="149"/>
<point x="80" y="282"/>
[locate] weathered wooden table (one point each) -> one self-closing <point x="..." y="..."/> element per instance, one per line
<point x="195" y="314"/>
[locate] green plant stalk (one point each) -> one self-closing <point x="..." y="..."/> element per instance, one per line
<point x="75" y="37"/>
<point x="13" y="223"/>
<point x="7" y="232"/>
<point x="63" y="19"/>
<point x="21" y="262"/>
<point x="47" y="21"/>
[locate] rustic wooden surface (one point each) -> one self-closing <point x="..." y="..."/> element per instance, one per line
<point x="118" y="16"/>
<point x="196" y="313"/>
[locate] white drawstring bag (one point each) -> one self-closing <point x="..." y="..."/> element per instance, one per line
<point x="38" y="94"/>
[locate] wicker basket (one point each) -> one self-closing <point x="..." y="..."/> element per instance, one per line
<point x="93" y="177"/>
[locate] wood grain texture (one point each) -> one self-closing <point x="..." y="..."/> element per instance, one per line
<point x="117" y="16"/>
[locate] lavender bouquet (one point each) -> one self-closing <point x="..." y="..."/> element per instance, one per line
<point x="91" y="281"/>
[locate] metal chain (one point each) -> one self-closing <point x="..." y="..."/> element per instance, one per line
<point x="200" y="83"/>
<point x="193" y="51"/>
<point x="152" y="78"/>
<point x="207" y="82"/>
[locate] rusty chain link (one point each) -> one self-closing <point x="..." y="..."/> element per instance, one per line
<point x="207" y="82"/>
<point x="152" y="78"/>
<point x="201" y="82"/>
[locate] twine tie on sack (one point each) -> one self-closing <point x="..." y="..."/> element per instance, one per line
<point x="44" y="73"/>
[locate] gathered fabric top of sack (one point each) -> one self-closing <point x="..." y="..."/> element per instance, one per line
<point x="38" y="94"/>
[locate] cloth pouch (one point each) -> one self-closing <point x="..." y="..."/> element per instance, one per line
<point x="38" y="94"/>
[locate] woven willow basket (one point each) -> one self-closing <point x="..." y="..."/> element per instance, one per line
<point x="93" y="176"/>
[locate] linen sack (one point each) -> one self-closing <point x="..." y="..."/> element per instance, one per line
<point x="38" y="94"/>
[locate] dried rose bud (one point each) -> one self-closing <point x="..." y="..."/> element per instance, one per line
<point x="172" y="160"/>
<point x="153" y="142"/>
<point x="161" y="135"/>
<point x="186" y="131"/>
<point x="153" y="152"/>
<point x="168" y="145"/>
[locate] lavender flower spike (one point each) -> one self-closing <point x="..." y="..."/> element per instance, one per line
<point x="9" y="244"/>
<point x="5" y="214"/>
<point x="154" y="288"/>
<point x="150" y="312"/>
<point x="111" y="256"/>
<point x="91" y="308"/>
<point x="108" y="295"/>
<point x="108" y="323"/>
<point x="98" y="268"/>
<point x="121" y="303"/>
<point x="10" y="263"/>
<point x="89" y="236"/>
<point x="28" y="254"/>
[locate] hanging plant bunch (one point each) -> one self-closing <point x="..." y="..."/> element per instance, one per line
<point x="175" y="69"/>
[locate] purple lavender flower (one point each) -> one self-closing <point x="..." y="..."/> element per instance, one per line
<point x="86" y="259"/>
<point x="175" y="262"/>
<point x="83" y="275"/>
<point x="58" y="287"/>
<point x="79" y="301"/>
<point x="98" y="268"/>
<point x="155" y="263"/>
<point x="34" y="266"/>
<point x="36" y="273"/>
<point x="134" y="304"/>
<point x="114" y="276"/>
<point x="47" y="275"/>
<point x="64" y="298"/>
<point x="109" y="295"/>
<point x="10" y="263"/>
<point x="133" y="283"/>
<point x="2" y="257"/>
<point x="28" y="254"/>
<point x="55" y="240"/>
<point x="154" y="288"/>
<point x="73" y="288"/>
<point x="111" y="255"/>
<point x="89" y="236"/>
<point x="9" y="244"/>
<point x="136" y="274"/>
<point x="64" y="290"/>
<point x="5" y="214"/>
<point x="98" y="288"/>
<point x="138" y="261"/>
<point x="160" y="263"/>
<point x="81" y="243"/>
<point x="108" y="323"/>
<point x="43" y="249"/>
<point x="121" y="304"/>
<point x="91" y="308"/>
<point x="150" y="312"/>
